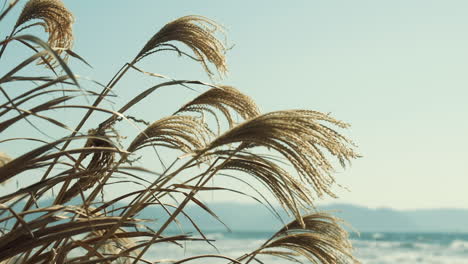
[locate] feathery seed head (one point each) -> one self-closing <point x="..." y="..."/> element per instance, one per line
<point x="300" y="136"/>
<point x="223" y="99"/>
<point x="185" y="133"/>
<point x="57" y="21"/>
<point x="198" y="33"/>
<point x="320" y="240"/>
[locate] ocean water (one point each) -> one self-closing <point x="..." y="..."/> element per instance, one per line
<point x="369" y="248"/>
<point x="406" y="248"/>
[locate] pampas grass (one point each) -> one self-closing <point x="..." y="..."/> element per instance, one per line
<point x="62" y="211"/>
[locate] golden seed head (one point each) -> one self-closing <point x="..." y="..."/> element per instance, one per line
<point x="57" y="21"/>
<point x="198" y="33"/>
<point x="224" y="99"/>
<point x="320" y="239"/>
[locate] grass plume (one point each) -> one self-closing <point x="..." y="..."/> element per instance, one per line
<point x="319" y="240"/>
<point x="197" y="33"/>
<point x="56" y="20"/>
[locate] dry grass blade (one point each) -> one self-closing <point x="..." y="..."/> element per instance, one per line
<point x="20" y="241"/>
<point x="23" y="114"/>
<point x="37" y="158"/>
<point x="52" y="52"/>
<point x="198" y="34"/>
<point x="44" y="184"/>
<point x="7" y="10"/>
<point x="137" y="99"/>
<point x="74" y="55"/>
<point x="115" y="246"/>
<point x="34" y="96"/>
<point x="56" y="20"/>
<point x="7" y="77"/>
<point x="223" y="99"/>
<point x="231" y="260"/>
<point x="18" y="165"/>
<point x="58" y="80"/>
<point x="321" y="240"/>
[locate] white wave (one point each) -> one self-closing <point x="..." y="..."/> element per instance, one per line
<point x="459" y="246"/>
<point x="378" y="236"/>
<point x="410" y="252"/>
<point x="376" y="244"/>
<point x="216" y="236"/>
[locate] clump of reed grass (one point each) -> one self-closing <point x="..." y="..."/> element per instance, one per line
<point x="65" y="214"/>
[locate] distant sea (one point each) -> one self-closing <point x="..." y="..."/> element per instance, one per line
<point x="369" y="248"/>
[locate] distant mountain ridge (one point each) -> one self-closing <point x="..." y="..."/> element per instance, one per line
<point x="255" y="217"/>
<point x="390" y="220"/>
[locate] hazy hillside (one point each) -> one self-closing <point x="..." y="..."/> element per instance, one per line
<point x="252" y="217"/>
<point x="384" y="219"/>
<point x="255" y="217"/>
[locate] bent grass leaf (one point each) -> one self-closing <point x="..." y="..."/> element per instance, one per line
<point x="56" y="56"/>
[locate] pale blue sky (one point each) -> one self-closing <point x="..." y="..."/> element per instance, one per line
<point x="396" y="70"/>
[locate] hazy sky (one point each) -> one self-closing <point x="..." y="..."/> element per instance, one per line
<point x="396" y="70"/>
